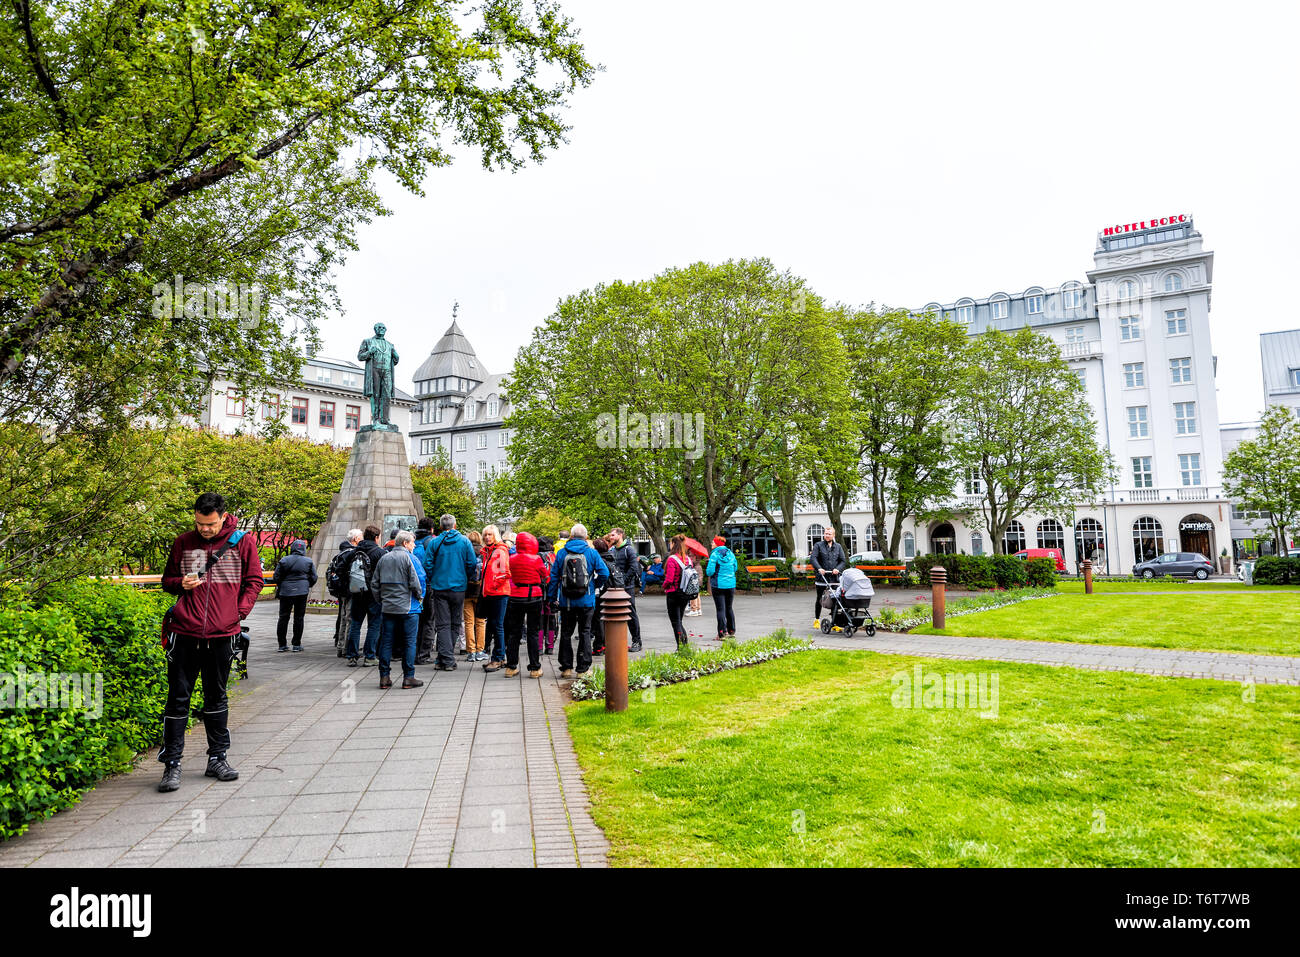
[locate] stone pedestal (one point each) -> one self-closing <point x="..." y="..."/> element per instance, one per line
<point x="376" y="490"/>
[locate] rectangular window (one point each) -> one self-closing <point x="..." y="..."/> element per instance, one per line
<point x="1033" y="305"/>
<point x="503" y="439"/>
<point x="461" y="443"/>
<point x="350" y="380"/>
<point x="469" y="410"/>
<point x="482" y="471"/>
<point x="424" y="446"/>
<point x="966" y="314"/>
<point x="271" y="408"/>
<point x="322" y="374"/>
<point x="1180" y="370"/>
<point x="1185" y="418"/>
<point x="1294" y="376"/>
<point x="482" y="440"/>
<point x="493" y="406"/>
<point x="1072" y="298"/>
<point x="1134" y="376"/>
<point x="1082" y="376"/>
<point x="1130" y="327"/>
<point x="234" y="402"/>
<point x="999" y="308"/>
<point x="460" y="470"/>
<point x="1141" y="471"/>
<point x="327" y="415"/>
<point x="1137" y="422"/>
<point x="1176" y="322"/>
<point x="1074" y="334"/>
<point x="973" y="484"/>
<point x="299" y="411"/>
<point x="353" y="418"/>
<point x="1190" y="467"/>
<point x="437" y="413"/>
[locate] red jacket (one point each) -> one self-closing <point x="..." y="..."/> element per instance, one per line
<point x="228" y="590"/>
<point x="496" y="570"/>
<point x="528" y="570"/>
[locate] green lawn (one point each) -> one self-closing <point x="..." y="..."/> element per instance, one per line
<point x="1074" y="586"/>
<point x="805" y="761"/>
<point x="1267" y="624"/>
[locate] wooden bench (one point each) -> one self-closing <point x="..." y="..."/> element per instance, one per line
<point x="804" y="574"/>
<point x="766" y="574"/>
<point x="898" y="570"/>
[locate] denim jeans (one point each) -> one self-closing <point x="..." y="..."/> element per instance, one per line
<point x="363" y="608"/>
<point x="494" y="610"/>
<point x="409" y="626"/>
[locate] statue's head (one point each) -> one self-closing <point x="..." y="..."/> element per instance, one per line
<point x="380" y="329"/>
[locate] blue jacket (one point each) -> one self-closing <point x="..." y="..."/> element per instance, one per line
<point x="596" y="567"/>
<point x="416" y="603"/>
<point x="723" y="564"/>
<point x="455" y="566"/>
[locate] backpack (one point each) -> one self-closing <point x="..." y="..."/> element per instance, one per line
<point x="575" y="577"/>
<point x="690" y="581"/>
<point x="335" y="583"/>
<point x="359" y="572"/>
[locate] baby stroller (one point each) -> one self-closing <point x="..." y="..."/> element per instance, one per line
<point x="846" y="605"/>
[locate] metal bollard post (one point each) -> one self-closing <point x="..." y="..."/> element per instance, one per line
<point x="938" y="577"/>
<point x="616" y="612"/>
<point x="1087" y="576"/>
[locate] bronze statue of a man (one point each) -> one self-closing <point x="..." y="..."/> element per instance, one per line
<point x="380" y="357"/>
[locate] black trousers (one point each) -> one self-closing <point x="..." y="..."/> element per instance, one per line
<point x="722" y="599"/>
<point x="633" y="626"/>
<point x="187" y="660"/>
<point x="677" y="603"/>
<point x="428" y="631"/>
<point x="575" y="620"/>
<point x="524" y="620"/>
<point x="448" y="614"/>
<point x="297" y="606"/>
<point x="597" y="628"/>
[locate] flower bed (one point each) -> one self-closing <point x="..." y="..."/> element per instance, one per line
<point x="661" y="669"/>
<point x="892" y="619"/>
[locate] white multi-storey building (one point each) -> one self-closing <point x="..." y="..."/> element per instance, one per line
<point x="460" y="410"/>
<point x="1137" y="333"/>
<point x="327" y="405"/>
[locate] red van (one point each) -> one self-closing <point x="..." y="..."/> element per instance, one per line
<point x="1056" y="553"/>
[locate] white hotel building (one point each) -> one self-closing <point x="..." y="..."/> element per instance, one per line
<point x="1137" y="333"/>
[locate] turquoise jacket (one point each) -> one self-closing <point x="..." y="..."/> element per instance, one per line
<point x="722" y="562"/>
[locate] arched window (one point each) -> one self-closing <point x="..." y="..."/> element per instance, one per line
<point x="976" y="543"/>
<point x="1071" y="295"/>
<point x="1051" y="534"/>
<point x="814" y="535"/>
<point x="966" y="311"/>
<point x="869" y="541"/>
<point x="1014" y="539"/>
<point x="1087" y="538"/>
<point x="999" y="306"/>
<point x="1174" y="282"/>
<point x="909" y="545"/>
<point x="1148" y="539"/>
<point x="1127" y="290"/>
<point x="849" y="538"/>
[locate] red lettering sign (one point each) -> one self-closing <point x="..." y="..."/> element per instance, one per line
<point x="1152" y="223"/>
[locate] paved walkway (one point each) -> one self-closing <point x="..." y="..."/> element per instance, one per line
<point x="470" y="770"/>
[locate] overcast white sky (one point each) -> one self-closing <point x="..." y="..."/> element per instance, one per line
<point x="897" y="153"/>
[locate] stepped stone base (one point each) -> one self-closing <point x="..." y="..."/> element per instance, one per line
<point x="376" y="490"/>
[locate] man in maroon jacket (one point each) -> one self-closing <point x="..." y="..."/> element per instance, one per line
<point x="218" y="574"/>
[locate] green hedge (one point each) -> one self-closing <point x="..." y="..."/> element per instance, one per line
<point x="50" y="756"/>
<point x="1277" y="570"/>
<point x="988" y="571"/>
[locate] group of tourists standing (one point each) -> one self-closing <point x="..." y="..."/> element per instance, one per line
<point x="440" y="594"/>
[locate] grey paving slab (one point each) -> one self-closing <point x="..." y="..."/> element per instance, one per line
<point x="470" y="770"/>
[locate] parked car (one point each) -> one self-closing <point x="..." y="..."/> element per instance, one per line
<point x="1188" y="564"/>
<point x="1055" y="553"/>
<point x="867" y="558"/>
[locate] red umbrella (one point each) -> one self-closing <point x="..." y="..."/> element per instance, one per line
<point x="696" y="548"/>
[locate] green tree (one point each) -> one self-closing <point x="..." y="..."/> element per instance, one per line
<point x="904" y="373"/>
<point x="231" y="143"/>
<point x="1263" y="474"/>
<point x="547" y="521"/>
<point x="672" y="396"/>
<point x="1025" y="432"/>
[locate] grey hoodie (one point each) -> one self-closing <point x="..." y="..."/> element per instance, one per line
<point x="295" y="573"/>
<point x="394" y="582"/>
